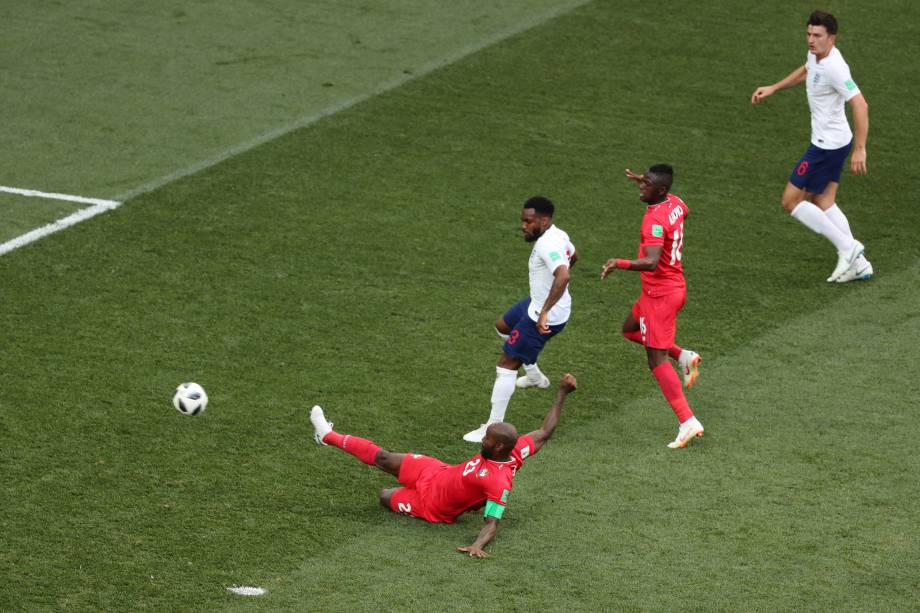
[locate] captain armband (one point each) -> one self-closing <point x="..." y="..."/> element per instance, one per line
<point x="493" y="509"/>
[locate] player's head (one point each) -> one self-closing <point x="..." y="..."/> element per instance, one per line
<point x="822" y="32"/>
<point x="656" y="183"/>
<point x="536" y="217"/>
<point x="498" y="442"/>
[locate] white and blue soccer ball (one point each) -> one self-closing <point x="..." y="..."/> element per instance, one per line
<point x="190" y="399"/>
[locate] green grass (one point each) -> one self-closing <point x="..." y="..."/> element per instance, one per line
<point x="360" y="264"/>
<point x="22" y="213"/>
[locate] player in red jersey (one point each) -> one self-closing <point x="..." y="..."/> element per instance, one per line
<point x="439" y="492"/>
<point x="653" y="320"/>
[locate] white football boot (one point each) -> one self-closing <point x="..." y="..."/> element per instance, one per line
<point x="526" y="381"/>
<point x="845" y="259"/>
<point x="689" y="430"/>
<point x="857" y="272"/>
<point x="689" y="363"/>
<point x="320" y="425"/>
<point x="476" y="436"/>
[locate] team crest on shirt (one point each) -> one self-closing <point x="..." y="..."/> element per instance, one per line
<point x="482" y="472"/>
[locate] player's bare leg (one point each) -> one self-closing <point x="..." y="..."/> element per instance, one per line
<point x="687" y="360"/>
<point x="385" y="496"/>
<point x="502" y="328"/>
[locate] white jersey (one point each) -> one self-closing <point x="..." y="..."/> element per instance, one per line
<point x="830" y="87"/>
<point x="551" y="251"/>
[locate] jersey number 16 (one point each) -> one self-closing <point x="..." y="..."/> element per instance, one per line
<point x="677" y="244"/>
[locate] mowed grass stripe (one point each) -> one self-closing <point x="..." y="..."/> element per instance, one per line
<point x="118" y="96"/>
<point x="375" y="89"/>
<point x="795" y="499"/>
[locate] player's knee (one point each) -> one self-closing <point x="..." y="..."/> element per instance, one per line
<point x="385" y="498"/>
<point x="789" y="203"/>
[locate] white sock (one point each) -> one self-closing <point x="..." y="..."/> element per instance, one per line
<point x="839" y="219"/>
<point x="815" y="219"/>
<point x="533" y="372"/>
<point x="501" y="393"/>
<point x="504" y="336"/>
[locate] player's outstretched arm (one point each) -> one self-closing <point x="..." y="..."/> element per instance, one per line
<point x="647" y="263"/>
<point x="567" y="385"/>
<point x="477" y="549"/>
<point x="792" y="79"/>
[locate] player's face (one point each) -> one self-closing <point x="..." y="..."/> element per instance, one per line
<point x="649" y="191"/>
<point x="819" y="41"/>
<point x="532" y="225"/>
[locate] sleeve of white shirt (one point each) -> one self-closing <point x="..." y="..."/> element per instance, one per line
<point x="842" y="82"/>
<point x="553" y="254"/>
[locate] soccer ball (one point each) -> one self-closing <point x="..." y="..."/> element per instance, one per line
<point x="190" y="399"/>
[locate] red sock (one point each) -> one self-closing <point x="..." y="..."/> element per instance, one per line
<point x="674" y="352"/>
<point x="670" y="386"/>
<point x="361" y="448"/>
<point x="635" y="336"/>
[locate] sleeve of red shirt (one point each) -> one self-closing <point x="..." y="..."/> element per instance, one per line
<point x="525" y="447"/>
<point x="648" y="234"/>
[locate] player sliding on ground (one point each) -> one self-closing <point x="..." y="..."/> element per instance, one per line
<point x="439" y="492"/>
<point x="653" y="320"/>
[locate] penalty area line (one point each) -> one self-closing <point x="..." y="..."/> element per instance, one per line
<point x="98" y="206"/>
<point x="34" y="193"/>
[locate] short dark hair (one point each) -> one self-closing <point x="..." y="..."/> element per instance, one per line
<point x="664" y="173"/>
<point x="821" y="18"/>
<point x="541" y="205"/>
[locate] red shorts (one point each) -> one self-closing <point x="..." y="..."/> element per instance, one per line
<point x="414" y="473"/>
<point x="657" y="317"/>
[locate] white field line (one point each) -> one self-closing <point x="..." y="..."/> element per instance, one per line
<point x="57" y="226"/>
<point x="101" y="206"/>
<point x="34" y="193"/>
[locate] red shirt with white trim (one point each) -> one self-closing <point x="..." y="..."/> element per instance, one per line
<point x="663" y="225"/>
<point x="474" y="483"/>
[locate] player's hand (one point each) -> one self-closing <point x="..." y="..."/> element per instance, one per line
<point x="608" y="268"/>
<point x="542" y="326"/>
<point x="762" y="92"/>
<point x="474" y="551"/>
<point x="568" y="383"/>
<point x="858" y="162"/>
<point x="633" y="176"/>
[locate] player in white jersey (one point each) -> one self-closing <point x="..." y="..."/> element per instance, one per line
<point x="811" y="192"/>
<point x="531" y="322"/>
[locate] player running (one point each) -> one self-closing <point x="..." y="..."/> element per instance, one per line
<point x="528" y="324"/>
<point x="811" y="193"/>
<point x="439" y="492"/>
<point x="653" y="320"/>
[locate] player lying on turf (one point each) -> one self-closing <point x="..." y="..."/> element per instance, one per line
<point x="439" y="492"/>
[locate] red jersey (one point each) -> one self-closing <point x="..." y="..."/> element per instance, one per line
<point x="663" y="225"/>
<point x="463" y="487"/>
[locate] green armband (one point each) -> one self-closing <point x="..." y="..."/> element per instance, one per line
<point x="493" y="509"/>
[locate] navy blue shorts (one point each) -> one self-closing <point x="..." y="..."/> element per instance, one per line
<point x="525" y="342"/>
<point x="818" y="167"/>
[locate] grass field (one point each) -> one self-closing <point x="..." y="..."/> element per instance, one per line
<point x="285" y="242"/>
